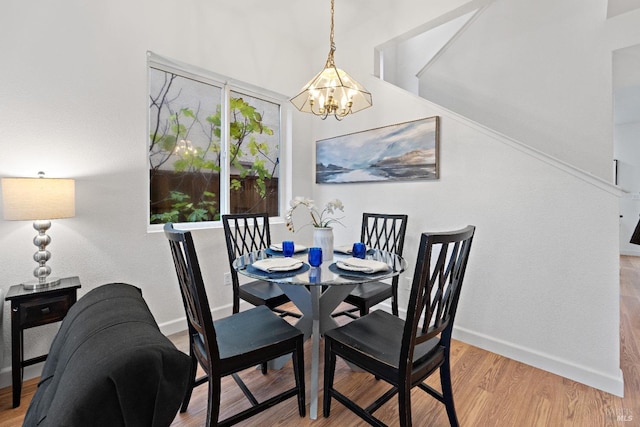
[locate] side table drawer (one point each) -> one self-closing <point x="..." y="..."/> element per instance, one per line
<point x="43" y="311"/>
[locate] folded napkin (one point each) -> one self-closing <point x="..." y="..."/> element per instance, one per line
<point x="271" y="265"/>
<point x="362" y="265"/>
<point x="278" y="247"/>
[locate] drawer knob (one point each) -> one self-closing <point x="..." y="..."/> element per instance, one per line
<point x="45" y="310"/>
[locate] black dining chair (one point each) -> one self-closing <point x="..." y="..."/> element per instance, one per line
<point x="405" y="352"/>
<point x="385" y="232"/>
<point x="232" y="344"/>
<point x="244" y="233"/>
<point x="635" y="237"/>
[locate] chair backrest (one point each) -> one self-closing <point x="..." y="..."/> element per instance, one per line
<point x="246" y="233"/>
<point x="437" y="281"/>
<point x="194" y="296"/>
<point x="384" y="231"/>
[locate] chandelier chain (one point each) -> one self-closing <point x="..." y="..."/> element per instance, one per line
<point x="332" y="45"/>
<point x="332" y="91"/>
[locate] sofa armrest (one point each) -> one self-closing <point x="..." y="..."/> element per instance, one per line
<point x="110" y="365"/>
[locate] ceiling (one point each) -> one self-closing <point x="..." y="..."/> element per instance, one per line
<point x="307" y="21"/>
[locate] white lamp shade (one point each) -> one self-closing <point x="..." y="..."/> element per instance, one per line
<point x="38" y="198"/>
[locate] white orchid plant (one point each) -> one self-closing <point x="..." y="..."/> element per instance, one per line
<point x="319" y="219"/>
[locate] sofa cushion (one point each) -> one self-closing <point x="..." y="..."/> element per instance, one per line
<point x="109" y="365"/>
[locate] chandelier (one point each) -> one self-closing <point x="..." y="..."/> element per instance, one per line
<point x="332" y="91"/>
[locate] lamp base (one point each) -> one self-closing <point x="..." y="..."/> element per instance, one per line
<point x="36" y="284"/>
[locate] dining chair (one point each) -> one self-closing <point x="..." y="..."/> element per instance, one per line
<point x="385" y="232"/>
<point x="635" y="237"/>
<point x="232" y="344"/>
<point x="405" y="352"/>
<point x="244" y="233"/>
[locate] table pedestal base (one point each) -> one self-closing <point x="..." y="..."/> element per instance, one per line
<point x="316" y="308"/>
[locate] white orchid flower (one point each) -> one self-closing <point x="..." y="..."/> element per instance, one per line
<point x="318" y="219"/>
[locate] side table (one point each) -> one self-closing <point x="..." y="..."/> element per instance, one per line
<point x="31" y="308"/>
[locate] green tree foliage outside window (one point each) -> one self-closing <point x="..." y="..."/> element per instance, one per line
<point x="187" y="144"/>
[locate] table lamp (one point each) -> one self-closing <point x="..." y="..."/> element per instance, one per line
<point x="39" y="200"/>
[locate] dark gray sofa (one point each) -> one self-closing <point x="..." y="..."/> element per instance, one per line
<point x="109" y="365"/>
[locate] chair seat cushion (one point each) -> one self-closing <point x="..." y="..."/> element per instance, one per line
<point x="260" y="292"/>
<point x="378" y="291"/>
<point x="378" y="335"/>
<point x="247" y="336"/>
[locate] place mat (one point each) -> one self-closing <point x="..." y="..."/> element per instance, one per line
<point x="358" y="274"/>
<point x="279" y="274"/>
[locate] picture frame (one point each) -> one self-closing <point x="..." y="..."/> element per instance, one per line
<point x="407" y="151"/>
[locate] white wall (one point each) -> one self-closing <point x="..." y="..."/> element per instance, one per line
<point x="73" y="102"/>
<point x="404" y="60"/>
<point x="628" y="151"/>
<point x="626" y="116"/>
<point x="538" y="288"/>
<point x="617" y="7"/>
<point x="527" y="69"/>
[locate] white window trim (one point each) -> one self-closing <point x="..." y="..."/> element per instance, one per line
<point x="228" y="84"/>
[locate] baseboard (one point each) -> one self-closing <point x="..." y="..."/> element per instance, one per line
<point x="546" y="362"/>
<point x="564" y="368"/>
<point x="31" y="371"/>
<point x="630" y="252"/>
<point x="581" y="374"/>
<point x="180" y="324"/>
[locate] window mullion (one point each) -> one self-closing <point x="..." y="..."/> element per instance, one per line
<point x="225" y="175"/>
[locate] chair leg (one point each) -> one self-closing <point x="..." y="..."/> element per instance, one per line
<point x="264" y="368"/>
<point x="364" y="310"/>
<point x="394" y="300"/>
<point x="447" y="392"/>
<point x="236" y="301"/>
<point x="192" y="380"/>
<point x="298" y="370"/>
<point x="213" y="403"/>
<point x="404" y="405"/>
<point x="329" y="373"/>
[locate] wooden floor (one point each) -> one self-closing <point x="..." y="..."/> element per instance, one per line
<point x="489" y="390"/>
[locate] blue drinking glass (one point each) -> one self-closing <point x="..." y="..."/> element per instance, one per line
<point x="359" y="250"/>
<point x="315" y="257"/>
<point x="288" y="248"/>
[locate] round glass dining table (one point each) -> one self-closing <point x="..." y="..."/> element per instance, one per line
<point x="317" y="291"/>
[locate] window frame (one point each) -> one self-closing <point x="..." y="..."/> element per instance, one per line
<point x="227" y="85"/>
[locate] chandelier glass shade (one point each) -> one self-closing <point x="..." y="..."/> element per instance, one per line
<point x="332" y="91"/>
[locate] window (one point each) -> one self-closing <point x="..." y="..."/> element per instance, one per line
<point x="214" y="145"/>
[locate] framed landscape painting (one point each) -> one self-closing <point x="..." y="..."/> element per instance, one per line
<point x="400" y="152"/>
